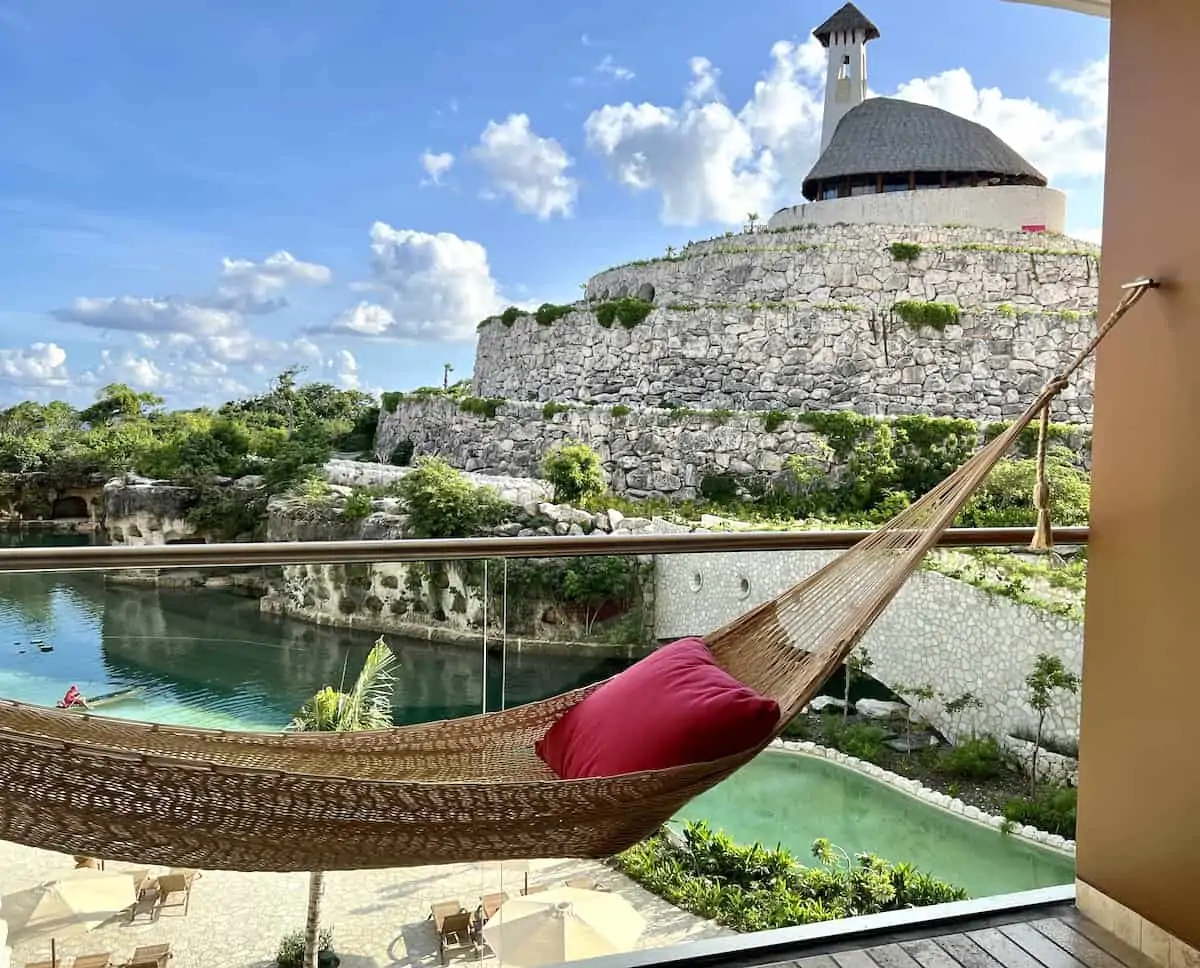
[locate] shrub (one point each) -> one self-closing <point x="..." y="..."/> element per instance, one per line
<point x="628" y="311"/>
<point x="754" y="888"/>
<point x="509" y="316"/>
<point x="1051" y="810"/>
<point x="918" y="314"/>
<point x="905" y="251"/>
<point x="978" y="758"/>
<point x="391" y="400"/>
<point x="443" y="503"/>
<point x="485" y="407"/>
<point x="620" y="410"/>
<point x="927" y="450"/>
<point x="574" y="470"/>
<point x="357" y="506"/>
<point x="548" y="313"/>
<point x="290" y="953"/>
<point x="552" y="408"/>
<point x="774" y="420"/>
<point x="860" y="739"/>
<point x="1005" y="499"/>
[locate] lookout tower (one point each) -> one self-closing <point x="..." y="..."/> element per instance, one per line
<point x="845" y="36"/>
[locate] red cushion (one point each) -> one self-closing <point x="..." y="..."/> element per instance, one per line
<point x="676" y="706"/>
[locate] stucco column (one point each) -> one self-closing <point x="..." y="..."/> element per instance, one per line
<point x="1139" y="795"/>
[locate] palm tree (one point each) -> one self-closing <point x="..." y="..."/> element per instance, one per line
<point x="368" y="705"/>
<point x="752" y="218"/>
<point x="447" y="369"/>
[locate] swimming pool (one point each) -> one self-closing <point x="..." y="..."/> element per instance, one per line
<point x="791" y="800"/>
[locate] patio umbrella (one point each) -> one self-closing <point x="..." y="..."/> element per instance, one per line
<point x="70" y="906"/>
<point x="563" y="924"/>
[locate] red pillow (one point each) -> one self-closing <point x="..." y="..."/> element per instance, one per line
<point x="676" y="706"/>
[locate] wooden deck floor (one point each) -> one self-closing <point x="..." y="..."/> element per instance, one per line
<point x="1059" y="939"/>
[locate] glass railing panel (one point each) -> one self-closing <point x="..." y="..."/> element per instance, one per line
<point x="245" y="646"/>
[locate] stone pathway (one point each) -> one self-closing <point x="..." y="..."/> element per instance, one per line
<point x="379" y="918"/>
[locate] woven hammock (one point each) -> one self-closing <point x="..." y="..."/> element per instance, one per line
<point x="469" y="789"/>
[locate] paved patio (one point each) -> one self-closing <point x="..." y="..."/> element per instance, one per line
<point x="379" y="918"/>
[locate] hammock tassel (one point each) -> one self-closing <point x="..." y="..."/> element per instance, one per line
<point x="1043" y="538"/>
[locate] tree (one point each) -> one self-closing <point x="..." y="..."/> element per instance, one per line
<point x="752" y="221"/>
<point x="368" y="705"/>
<point x="447" y="369"/>
<point x="574" y="470"/>
<point x="858" y="663"/>
<point x="1048" y="678"/>
<point x="957" y="705"/>
<point x="118" y="402"/>
<point x="592" y="582"/>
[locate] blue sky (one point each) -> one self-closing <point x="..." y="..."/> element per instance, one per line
<point x="194" y="196"/>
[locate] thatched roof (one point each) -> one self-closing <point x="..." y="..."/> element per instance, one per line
<point x="847" y="20"/>
<point x="888" y="136"/>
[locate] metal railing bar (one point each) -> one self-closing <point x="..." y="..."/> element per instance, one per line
<point x="249" y="554"/>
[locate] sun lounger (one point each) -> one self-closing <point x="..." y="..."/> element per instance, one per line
<point x="150" y="956"/>
<point x="173" y="884"/>
<point x="454" y="929"/>
<point x="146" y="904"/>
<point x="534" y="889"/>
<point x="102" y="960"/>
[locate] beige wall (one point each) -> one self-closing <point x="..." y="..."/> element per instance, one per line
<point x="1139" y="806"/>
<point x="1007" y="207"/>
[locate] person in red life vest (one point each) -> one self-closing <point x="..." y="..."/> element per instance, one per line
<point x="72" y="698"/>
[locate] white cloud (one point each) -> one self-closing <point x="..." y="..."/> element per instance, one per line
<point x="703" y="86"/>
<point x="40" y="364"/>
<point x="610" y="68"/>
<point x="139" y="372"/>
<point x="148" y="315"/>
<point x="530" y="170"/>
<point x="345" y="368"/>
<point x="366" y="319"/>
<point x="708" y="162"/>
<point x="435" y="165"/>
<point x="429" y="287"/>
<point x="258" y="287"/>
<point x="585" y="40"/>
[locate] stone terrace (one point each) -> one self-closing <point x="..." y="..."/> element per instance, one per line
<point x="379" y="918"/>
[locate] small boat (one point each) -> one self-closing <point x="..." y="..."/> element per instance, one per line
<point x="107" y="699"/>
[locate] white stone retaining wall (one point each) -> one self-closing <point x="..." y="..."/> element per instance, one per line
<point x="1010" y="206"/>
<point x="916" y="789"/>
<point x="937" y="631"/>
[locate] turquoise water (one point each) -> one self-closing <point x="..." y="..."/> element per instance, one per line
<point x="210" y="658"/>
<point x="781" y="798"/>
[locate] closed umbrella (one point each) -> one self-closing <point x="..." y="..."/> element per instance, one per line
<point x="564" y="924"/>
<point x="70" y="906"/>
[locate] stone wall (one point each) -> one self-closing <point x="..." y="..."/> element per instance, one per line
<point x="646" y="453"/>
<point x="141" y="512"/>
<point x="938" y="630"/>
<point x="804" y="319"/>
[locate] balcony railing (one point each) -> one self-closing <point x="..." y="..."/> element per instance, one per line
<point x="88" y="558"/>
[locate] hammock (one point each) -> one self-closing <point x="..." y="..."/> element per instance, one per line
<point x="469" y="789"/>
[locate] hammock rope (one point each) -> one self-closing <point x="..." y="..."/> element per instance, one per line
<point x="470" y="789"/>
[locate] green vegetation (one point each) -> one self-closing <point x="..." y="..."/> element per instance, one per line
<point x="553" y="408"/>
<point x="918" y="315"/>
<point x="629" y="312"/>
<point x="1048" y="679"/>
<point x="1005" y="499"/>
<point x="283" y="435"/>
<point x="620" y="410"/>
<point x="290" y="953"/>
<point x="549" y="313"/>
<point x="443" y="503"/>
<point x="485" y="407"/>
<point x="977" y="758"/>
<point x="905" y="251"/>
<point x="1051" y="808"/>
<point x="509" y="316"/>
<point x="754" y="888"/>
<point x="574" y="471"/>
<point x="774" y="420"/>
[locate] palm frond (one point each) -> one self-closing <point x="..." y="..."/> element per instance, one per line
<point x="368" y="705"/>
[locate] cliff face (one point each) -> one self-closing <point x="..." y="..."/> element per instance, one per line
<point x="144" y="512"/>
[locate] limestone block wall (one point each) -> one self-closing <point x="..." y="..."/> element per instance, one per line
<point x="1005" y="206"/>
<point x="140" y="513"/>
<point x="646" y="453"/>
<point x="938" y="630"/>
<point x="805" y="319"/>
